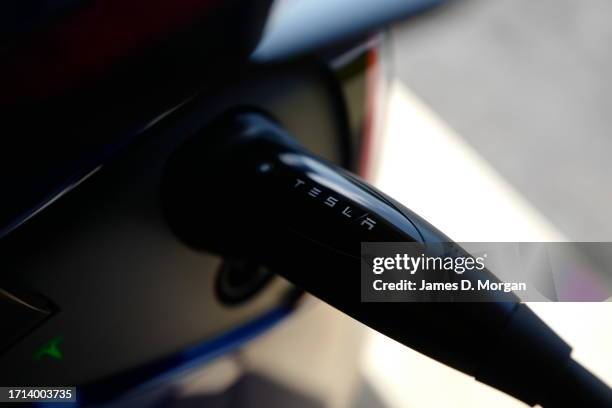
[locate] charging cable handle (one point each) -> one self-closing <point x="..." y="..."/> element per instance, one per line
<point x="243" y="187"/>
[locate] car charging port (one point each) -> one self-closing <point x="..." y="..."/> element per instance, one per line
<point x="239" y="280"/>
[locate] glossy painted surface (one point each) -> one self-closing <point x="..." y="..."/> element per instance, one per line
<point x="81" y="88"/>
<point x="134" y="303"/>
<point x="300" y="26"/>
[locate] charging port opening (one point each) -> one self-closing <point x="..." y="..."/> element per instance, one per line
<point x="239" y="280"/>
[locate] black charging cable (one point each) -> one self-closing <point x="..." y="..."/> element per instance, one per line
<point x="244" y="188"/>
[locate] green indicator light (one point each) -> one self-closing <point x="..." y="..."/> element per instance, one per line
<point x="50" y="349"/>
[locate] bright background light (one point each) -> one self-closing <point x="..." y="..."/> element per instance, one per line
<point x="429" y="168"/>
